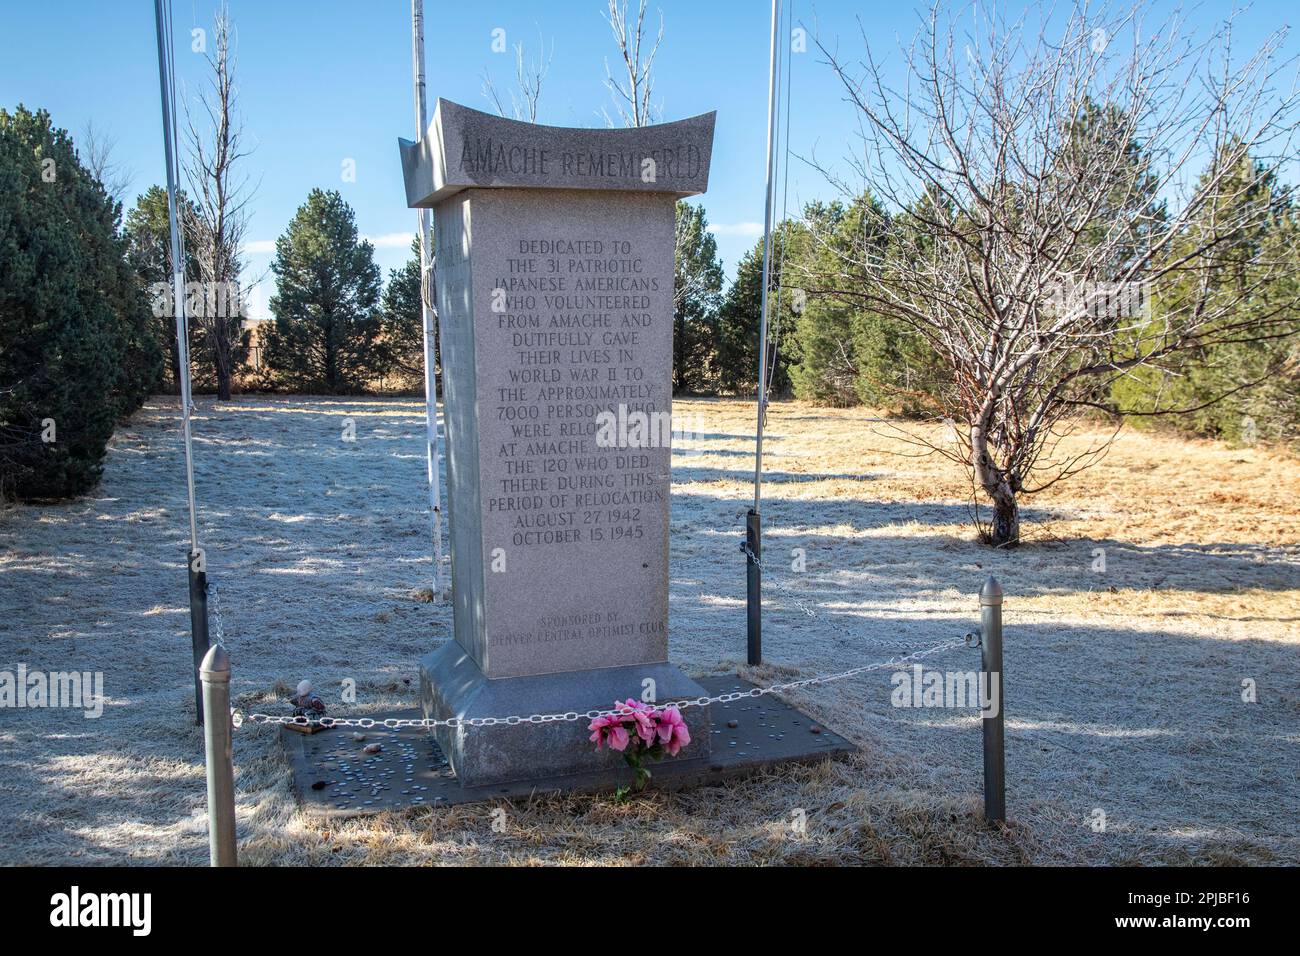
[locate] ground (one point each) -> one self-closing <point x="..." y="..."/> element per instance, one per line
<point x="1156" y="591"/>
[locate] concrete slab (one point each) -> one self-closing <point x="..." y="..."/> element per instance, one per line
<point x="333" y="777"/>
<point x="451" y="685"/>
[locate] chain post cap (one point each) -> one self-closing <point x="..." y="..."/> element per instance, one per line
<point x="991" y="593"/>
<point x="215" y="668"/>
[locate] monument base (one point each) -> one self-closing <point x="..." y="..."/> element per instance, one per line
<point x="452" y="685"/>
<point x="334" y="776"/>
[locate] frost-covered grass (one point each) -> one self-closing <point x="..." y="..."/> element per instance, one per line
<point x="1123" y="687"/>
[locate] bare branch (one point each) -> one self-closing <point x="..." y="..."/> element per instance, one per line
<point x="98" y="149"/>
<point x="632" y="91"/>
<point x="1067" y="199"/>
<point x="221" y="194"/>
<point x="529" y="77"/>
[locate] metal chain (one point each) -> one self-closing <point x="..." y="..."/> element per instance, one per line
<point x="215" y="605"/>
<point x="398" y="723"/>
<point x="812" y="613"/>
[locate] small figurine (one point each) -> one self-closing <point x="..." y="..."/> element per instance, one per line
<point x="307" y="703"/>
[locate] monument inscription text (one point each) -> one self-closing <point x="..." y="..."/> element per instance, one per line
<point x="576" y="336"/>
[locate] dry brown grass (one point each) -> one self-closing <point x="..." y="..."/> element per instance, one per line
<point x="1123" y="687"/>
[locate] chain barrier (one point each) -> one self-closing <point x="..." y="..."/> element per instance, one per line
<point x="811" y="613"/>
<point x="214" y="605"/>
<point x="570" y="716"/>
<point x="397" y="723"/>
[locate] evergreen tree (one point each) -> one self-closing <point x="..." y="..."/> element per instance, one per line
<point x="148" y="242"/>
<point x="739" y="319"/>
<point x="1245" y="387"/>
<point x="847" y="353"/>
<point x="76" y="350"/>
<point x="1128" y="206"/>
<point x="401" y="324"/>
<point x="899" y="370"/>
<point x="829" y="328"/>
<point x="698" y="292"/>
<point x="326" y="323"/>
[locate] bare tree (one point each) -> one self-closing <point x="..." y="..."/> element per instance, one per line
<point x="222" y="194"/>
<point x="631" y="94"/>
<point x="1057" y="214"/>
<point x="529" y="76"/>
<point x="98" y="150"/>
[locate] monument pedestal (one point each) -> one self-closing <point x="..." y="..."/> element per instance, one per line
<point x="451" y="684"/>
<point x="334" y="776"/>
<point x="555" y="291"/>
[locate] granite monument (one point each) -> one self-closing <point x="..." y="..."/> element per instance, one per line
<point x="554" y="289"/>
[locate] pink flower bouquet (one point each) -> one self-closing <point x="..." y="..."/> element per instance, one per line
<point x="639" y="730"/>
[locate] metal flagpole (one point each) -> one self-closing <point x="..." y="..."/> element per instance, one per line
<point x="426" y="291"/>
<point x="754" y="529"/>
<point x="197" y="569"/>
<point x="782" y="150"/>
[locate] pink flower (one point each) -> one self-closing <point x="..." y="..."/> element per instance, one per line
<point x="633" y="713"/>
<point x="634" y="722"/>
<point x="610" y="729"/>
<point x="672" y="730"/>
<point x="600" y="728"/>
<point x="646" y="726"/>
<point x="618" y="737"/>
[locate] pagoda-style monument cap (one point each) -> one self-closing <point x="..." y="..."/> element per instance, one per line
<point x="465" y="148"/>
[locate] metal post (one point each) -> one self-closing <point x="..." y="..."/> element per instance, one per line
<point x="768" y="199"/>
<point x="166" y="82"/>
<point x="754" y="586"/>
<point x="198" y="626"/>
<point x="221" y="765"/>
<point x="198" y="579"/>
<point x="426" y="293"/>
<point x="753" y="527"/>
<point x="995" y="784"/>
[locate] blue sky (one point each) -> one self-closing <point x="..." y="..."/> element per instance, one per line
<point x="327" y="81"/>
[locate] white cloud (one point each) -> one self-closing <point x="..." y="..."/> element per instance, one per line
<point x="750" y="229"/>
<point x="391" y="240"/>
<point x="259" y="246"/>
<point x="256" y="306"/>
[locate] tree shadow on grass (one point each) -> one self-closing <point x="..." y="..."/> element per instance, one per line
<point x="1146" y="724"/>
<point x="690" y="474"/>
<point x="1154" y="727"/>
<point x="1149" y="727"/>
<point x="927" y="555"/>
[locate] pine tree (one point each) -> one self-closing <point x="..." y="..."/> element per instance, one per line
<point x="401" y="324"/>
<point x="739" y="319"/>
<point x="323" y="338"/>
<point x="828" y="370"/>
<point x="899" y="370"/>
<point x="1246" y="389"/>
<point x="698" y="292"/>
<point x="148" y="243"/>
<point x="76" y="350"/>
